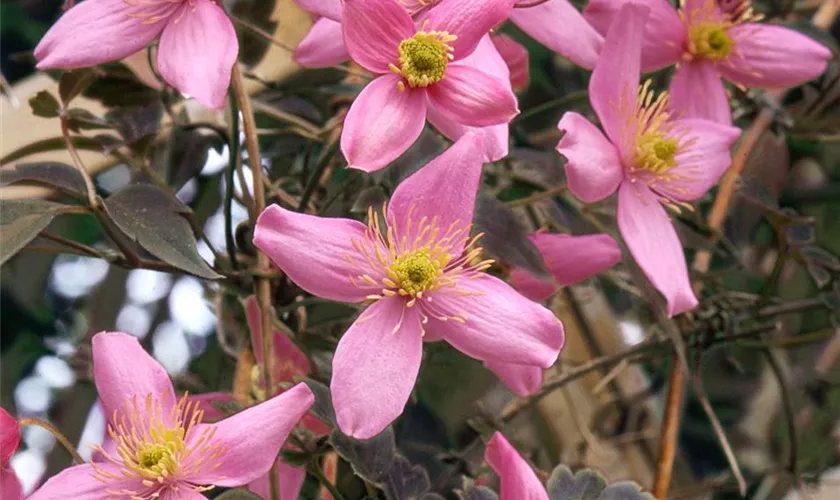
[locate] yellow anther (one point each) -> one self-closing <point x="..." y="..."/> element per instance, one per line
<point x="416" y="271"/>
<point x="655" y="152"/>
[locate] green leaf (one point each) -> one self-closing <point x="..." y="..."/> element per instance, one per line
<point x="21" y="221"/>
<point x="155" y="219"/>
<point x="73" y="83"/>
<point x="238" y="494"/>
<point x="54" y="174"/>
<point x="52" y="144"/>
<point x="587" y="484"/>
<point x="45" y="105"/>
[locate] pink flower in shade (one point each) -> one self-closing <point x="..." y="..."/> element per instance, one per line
<point x="517" y="479"/>
<point x="569" y="259"/>
<point x="162" y="449"/>
<point x="422" y="278"/>
<point x="650" y="157"/>
<point x="515" y="56"/>
<point x="559" y="26"/>
<point x="290" y="365"/>
<point x="324" y="46"/>
<point x="421" y="71"/>
<point x="10" y="487"/>
<point x="195" y="54"/>
<point x="708" y="43"/>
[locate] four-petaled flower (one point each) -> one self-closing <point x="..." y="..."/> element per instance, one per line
<point x="196" y="52"/>
<point x="422" y="70"/>
<point x="708" y="42"/>
<point x="161" y="448"/>
<point x="649" y="155"/>
<point x="423" y="279"/>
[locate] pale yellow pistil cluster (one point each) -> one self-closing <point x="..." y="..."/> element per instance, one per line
<point x="656" y="143"/>
<point x="423" y="58"/>
<point x="710" y="40"/>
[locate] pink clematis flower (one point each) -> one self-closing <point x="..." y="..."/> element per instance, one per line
<point x="422" y="278"/>
<point x="650" y="157"/>
<point x="558" y="25"/>
<point x="421" y="71"/>
<point x="10" y="487"/>
<point x="570" y="259"/>
<point x="163" y="450"/>
<point x="708" y="43"/>
<point x="517" y="479"/>
<point x="323" y="46"/>
<point x="196" y="52"/>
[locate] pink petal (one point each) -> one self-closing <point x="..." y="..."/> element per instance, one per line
<point x="652" y="240"/>
<point x="697" y="92"/>
<point x="612" y="87"/>
<point x="317" y="253"/>
<point x="289" y="478"/>
<point x="122" y="370"/>
<point x="373" y="29"/>
<point x="523" y="380"/>
<point x="97" y="31"/>
<point x="9" y="437"/>
<point x="593" y="169"/>
<point x="206" y="404"/>
<point x="700" y="165"/>
<point x="382" y="123"/>
<point x="472" y="97"/>
<point x="487" y="58"/>
<point x="78" y="482"/>
<point x="496" y="138"/>
<point x="518" y="480"/>
<point x="197" y="51"/>
<point x="323" y="46"/>
<point x="572" y="259"/>
<point x="10" y="487"/>
<point x="515" y="56"/>
<point x="469" y="20"/>
<point x="331" y="9"/>
<point x="773" y="56"/>
<point x="252" y="438"/>
<point x="535" y="288"/>
<point x="375" y="367"/>
<point x="560" y="27"/>
<point x="501" y="324"/>
<point x="664" y="35"/>
<point x="430" y="193"/>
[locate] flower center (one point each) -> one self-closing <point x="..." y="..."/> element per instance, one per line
<point x="656" y="142"/>
<point x="655" y="152"/>
<point x="710" y="40"/>
<point x="424" y="58"/>
<point x="154" y="449"/>
<point x="415" y="272"/>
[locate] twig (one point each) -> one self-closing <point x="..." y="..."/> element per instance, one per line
<point x="93" y="252"/>
<point x="319" y="474"/>
<point x="233" y="159"/>
<point x="309" y="190"/>
<point x="542" y="195"/>
<point x="787" y="405"/>
<point x="93" y="200"/>
<point x="262" y="284"/>
<point x="719" y="432"/>
<point x="56" y="433"/>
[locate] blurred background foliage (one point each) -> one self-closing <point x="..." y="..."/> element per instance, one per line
<point x="774" y="269"/>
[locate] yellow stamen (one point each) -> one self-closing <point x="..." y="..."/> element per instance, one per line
<point x="656" y="142"/>
<point x="424" y="58"/>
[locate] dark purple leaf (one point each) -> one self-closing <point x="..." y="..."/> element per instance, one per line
<point x="60" y="175"/>
<point x="45" y="105"/>
<point x="155" y="220"/>
<point x="504" y="237"/>
<point x="73" y="83"/>
<point x="21" y="221"/>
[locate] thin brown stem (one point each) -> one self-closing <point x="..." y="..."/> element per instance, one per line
<point x="93" y="200"/>
<point x="56" y="433"/>
<point x="262" y="285"/>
